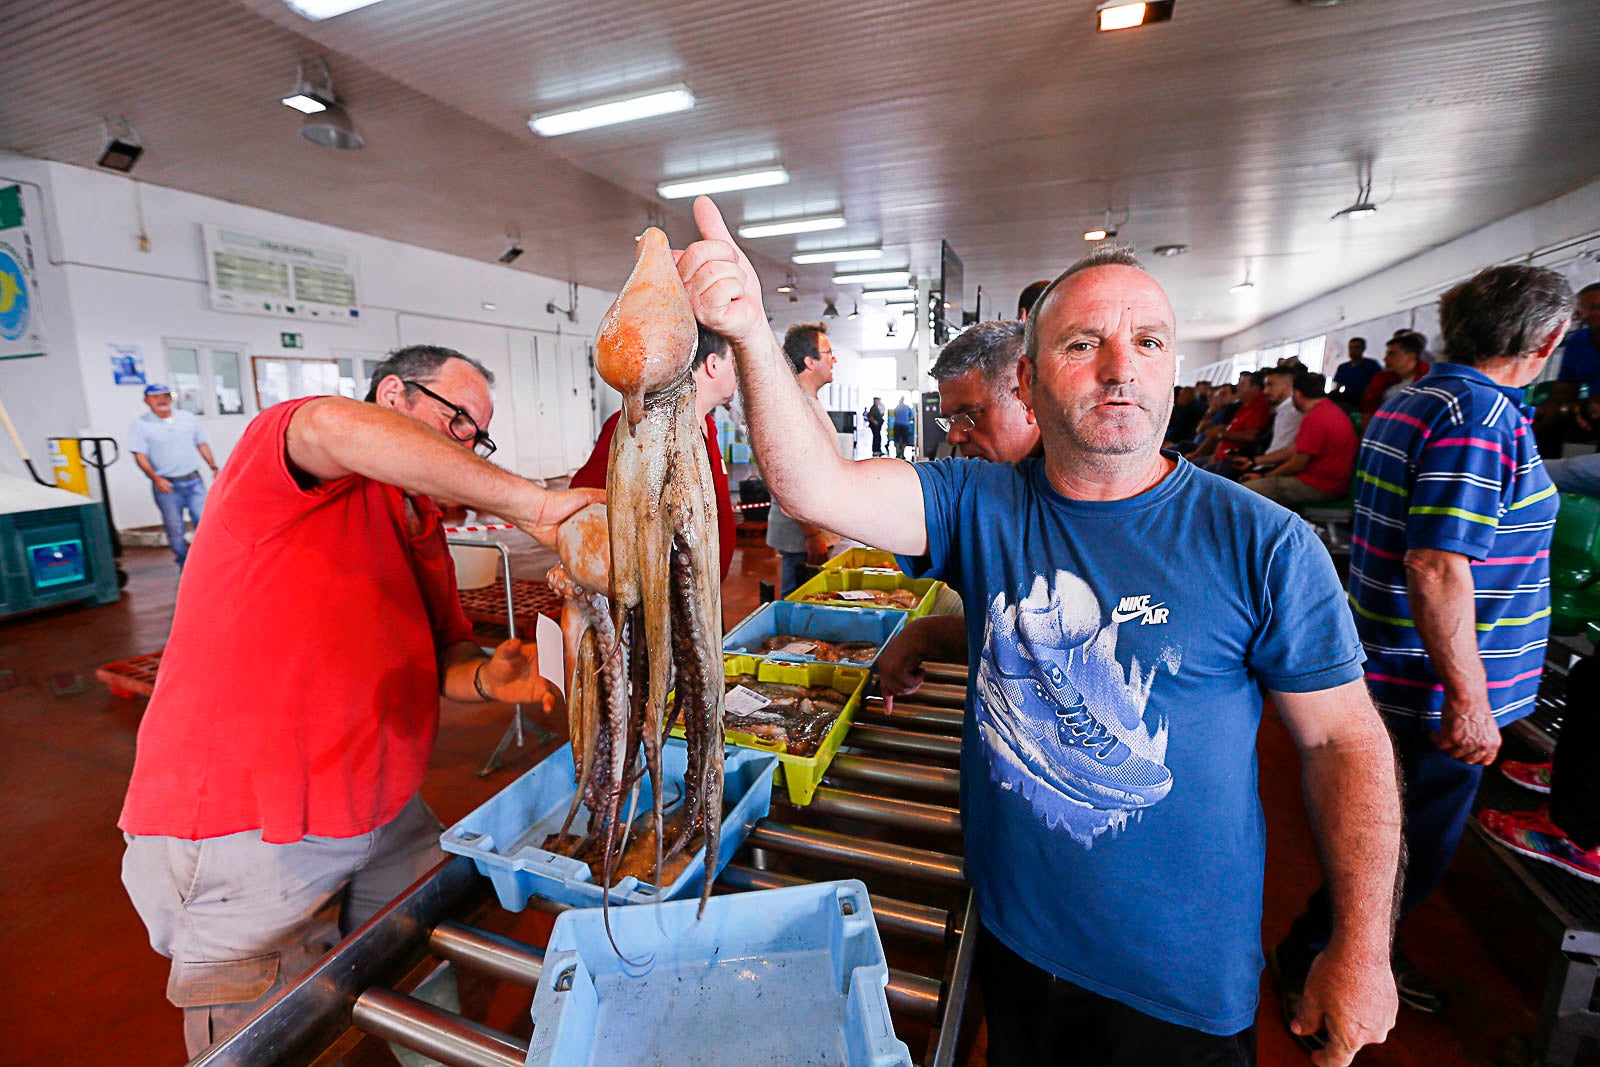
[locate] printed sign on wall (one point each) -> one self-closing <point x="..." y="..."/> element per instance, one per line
<point x="263" y="276"/>
<point x="127" y="364"/>
<point x="20" y="332"/>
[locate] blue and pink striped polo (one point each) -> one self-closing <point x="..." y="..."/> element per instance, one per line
<point x="1450" y="463"/>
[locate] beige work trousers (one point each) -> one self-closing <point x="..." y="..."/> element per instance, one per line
<point x="241" y="919"/>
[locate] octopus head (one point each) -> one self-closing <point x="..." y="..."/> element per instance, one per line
<point x="648" y="335"/>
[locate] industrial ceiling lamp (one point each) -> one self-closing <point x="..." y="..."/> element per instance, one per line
<point x="1108" y="228"/>
<point x="855" y="310"/>
<point x="1244" y="286"/>
<point x="1363" y="208"/>
<point x="1121" y="15"/>
<point x="123" y="147"/>
<point x="1168" y="251"/>
<point x="513" y="248"/>
<point x="829" y="309"/>
<point x="326" y="123"/>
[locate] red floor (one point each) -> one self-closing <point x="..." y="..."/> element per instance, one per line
<point x="82" y="984"/>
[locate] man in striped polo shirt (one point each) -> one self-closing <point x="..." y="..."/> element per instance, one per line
<point x="1450" y="574"/>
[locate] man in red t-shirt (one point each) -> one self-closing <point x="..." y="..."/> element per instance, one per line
<point x="273" y="806"/>
<point x="1324" y="452"/>
<point x="714" y="382"/>
<point x="1253" y="417"/>
<point x="1402" y="365"/>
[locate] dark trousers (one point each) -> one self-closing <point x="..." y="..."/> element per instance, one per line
<point x="1038" y="1020"/>
<point x="1437" y="799"/>
<point x="877" y="440"/>
<point x="1575" y="774"/>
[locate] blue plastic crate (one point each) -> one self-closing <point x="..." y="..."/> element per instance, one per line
<point x="813" y="620"/>
<point x="791" y="976"/>
<point x="503" y="836"/>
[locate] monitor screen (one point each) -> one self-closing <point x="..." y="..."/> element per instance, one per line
<point x="947" y="303"/>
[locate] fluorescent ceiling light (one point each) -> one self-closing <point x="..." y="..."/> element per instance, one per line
<point x="838" y="255"/>
<point x="722" y="183"/>
<point x="779" y="227"/>
<point x="317" y="10"/>
<point x="610" y="112"/>
<point x="890" y="296"/>
<point x="305" y="103"/>
<point x="1120" y="15"/>
<point x="874" y="277"/>
<point x="1096" y="235"/>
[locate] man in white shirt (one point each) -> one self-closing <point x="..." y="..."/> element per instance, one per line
<point x="1279" y="390"/>
<point x="164" y="442"/>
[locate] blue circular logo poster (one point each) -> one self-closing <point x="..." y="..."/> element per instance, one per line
<point x="14" y="310"/>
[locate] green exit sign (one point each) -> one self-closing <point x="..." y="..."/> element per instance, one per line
<point x="291" y="340"/>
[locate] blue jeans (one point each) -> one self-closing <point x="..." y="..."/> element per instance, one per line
<point x="1580" y="474"/>
<point x="791" y="572"/>
<point x="1437" y="798"/>
<point x="187" y="494"/>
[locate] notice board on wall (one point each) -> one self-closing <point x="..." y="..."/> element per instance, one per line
<point x="20" y="332"/>
<point x="255" y="275"/>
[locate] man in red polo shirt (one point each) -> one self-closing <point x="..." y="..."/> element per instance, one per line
<point x="714" y="383"/>
<point x="273" y="806"/>
<point x="1253" y="417"/>
<point x="1324" y="452"/>
<point x="1402" y="365"/>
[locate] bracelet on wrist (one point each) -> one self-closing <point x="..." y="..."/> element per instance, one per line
<point x="477" y="682"/>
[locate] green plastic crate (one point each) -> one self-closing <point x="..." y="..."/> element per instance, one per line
<point x="800" y="774"/>
<point x="852" y="558"/>
<point x="846" y="580"/>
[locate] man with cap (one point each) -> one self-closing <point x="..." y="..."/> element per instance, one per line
<point x="164" y="442"/>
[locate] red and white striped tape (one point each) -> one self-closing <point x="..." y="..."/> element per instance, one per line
<point x="479" y="529"/>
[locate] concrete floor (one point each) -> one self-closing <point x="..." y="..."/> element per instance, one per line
<point x="82" y="984"/>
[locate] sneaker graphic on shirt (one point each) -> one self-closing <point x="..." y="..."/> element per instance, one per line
<point x="1086" y="763"/>
<point x="1533" y="835"/>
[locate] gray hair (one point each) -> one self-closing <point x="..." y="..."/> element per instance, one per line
<point x="1103" y="255"/>
<point x="1502" y="313"/>
<point x="990" y="348"/>
<point x="419" y="363"/>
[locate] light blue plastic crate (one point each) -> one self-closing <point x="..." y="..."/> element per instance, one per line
<point x="503" y="836"/>
<point x="812" y="620"/>
<point x="790" y="976"/>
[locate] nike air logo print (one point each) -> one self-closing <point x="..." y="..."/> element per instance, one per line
<point x="1139" y="607"/>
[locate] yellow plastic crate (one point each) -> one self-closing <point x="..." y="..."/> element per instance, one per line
<point x="848" y="580"/>
<point x="800" y="774"/>
<point x="852" y="558"/>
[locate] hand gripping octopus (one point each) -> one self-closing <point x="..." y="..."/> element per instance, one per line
<point x="662" y="628"/>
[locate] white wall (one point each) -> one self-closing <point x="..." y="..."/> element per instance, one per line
<point x="105" y="290"/>
<point x="1563" y="233"/>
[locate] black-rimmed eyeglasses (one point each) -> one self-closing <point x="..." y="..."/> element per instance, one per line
<point x="463" y="427"/>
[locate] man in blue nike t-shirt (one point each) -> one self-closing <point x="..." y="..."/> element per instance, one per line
<point x="1114" y="835"/>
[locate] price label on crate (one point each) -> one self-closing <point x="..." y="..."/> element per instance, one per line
<point x="742" y="701"/>
<point x="799" y="648"/>
<point x="879" y="570"/>
<point x="857" y="594"/>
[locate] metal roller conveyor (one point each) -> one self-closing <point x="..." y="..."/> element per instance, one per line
<point x="434" y="1032"/>
<point x="914" y="994"/>
<point x="913" y="714"/>
<point x="946" y="673"/>
<point x="893" y="739"/>
<point x="944" y="694"/>
<point x="356" y="990"/>
<point x="890" y="812"/>
<point x="896" y="916"/>
<point x="892" y="772"/>
<point x="499" y="957"/>
<point x="874" y="855"/>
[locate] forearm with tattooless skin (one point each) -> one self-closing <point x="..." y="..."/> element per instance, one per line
<point x="457" y="665"/>
<point x="943" y="638"/>
<point x="1439" y="585"/>
<point x="332" y="437"/>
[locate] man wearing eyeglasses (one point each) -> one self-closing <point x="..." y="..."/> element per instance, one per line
<point x="983" y="417"/>
<point x="274" y="803"/>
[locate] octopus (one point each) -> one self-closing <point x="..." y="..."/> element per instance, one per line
<point x="795" y="716"/>
<point x="641" y="588"/>
<point x="868" y="598"/>
<point x="820" y="650"/>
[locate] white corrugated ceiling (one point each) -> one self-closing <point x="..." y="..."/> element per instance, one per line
<point x="1006" y="127"/>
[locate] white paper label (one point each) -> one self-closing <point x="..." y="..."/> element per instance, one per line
<point x="742" y="701"/>
<point x="799" y="648"/>
<point x="879" y="570"/>
<point x="857" y="594"/>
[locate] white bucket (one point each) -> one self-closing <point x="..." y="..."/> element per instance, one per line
<point x="476" y="567"/>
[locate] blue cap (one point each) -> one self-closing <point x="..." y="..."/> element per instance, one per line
<point x="155" y="389"/>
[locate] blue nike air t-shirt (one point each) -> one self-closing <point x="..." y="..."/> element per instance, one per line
<point x="1114" y="835"/>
